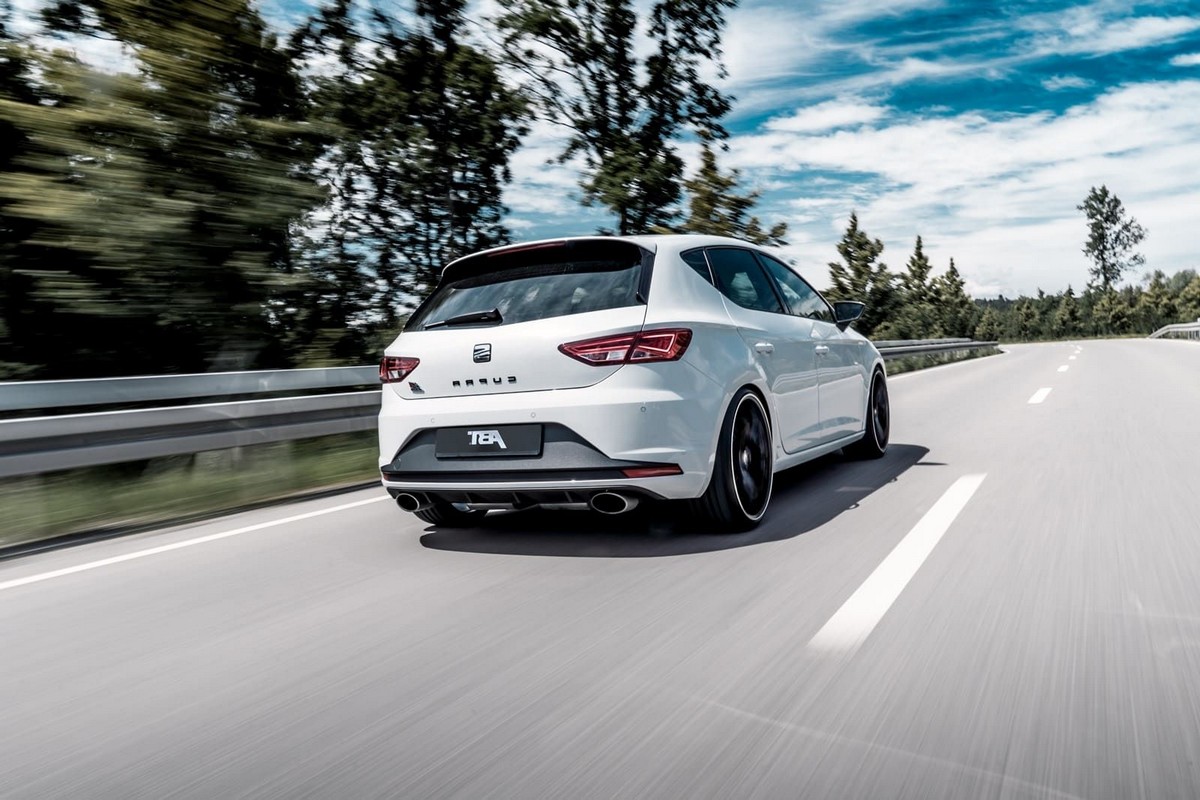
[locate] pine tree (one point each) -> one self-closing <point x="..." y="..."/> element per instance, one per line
<point x="1157" y="305"/>
<point x="1112" y="237"/>
<point x="990" y="327"/>
<point x="956" y="309"/>
<point x="715" y="206"/>
<point x="624" y="111"/>
<point x="915" y="316"/>
<point x="861" y="276"/>
<point x="1066" y="316"/>
<point x="1189" y="301"/>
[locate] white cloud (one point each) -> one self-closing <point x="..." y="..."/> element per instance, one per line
<point x="1057" y="83"/>
<point x="1087" y="30"/>
<point x="1186" y="60"/>
<point x="998" y="193"/>
<point x="830" y="115"/>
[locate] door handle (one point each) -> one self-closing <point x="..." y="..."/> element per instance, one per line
<point x="821" y="349"/>
<point x="766" y="348"/>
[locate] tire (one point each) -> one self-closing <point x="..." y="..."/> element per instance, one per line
<point x="446" y="515"/>
<point x="874" y="442"/>
<point x="744" y="473"/>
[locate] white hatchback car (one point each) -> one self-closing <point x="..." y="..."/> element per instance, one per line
<point x="601" y="372"/>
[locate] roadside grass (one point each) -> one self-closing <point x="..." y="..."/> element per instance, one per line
<point x="130" y="496"/>
<point x="137" y="495"/>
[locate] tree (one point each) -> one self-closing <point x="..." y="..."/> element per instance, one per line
<point x="955" y="308"/>
<point x="624" y="111"/>
<point x="17" y="91"/>
<point x="861" y="276"/>
<point x="1028" y="321"/>
<point x="159" y="204"/>
<point x="421" y="128"/>
<point x="1112" y="237"/>
<point x="915" y="315"/>
<point x="990" y="327"/>
<point x="715" y="207"/>
<point x="1189" y="300"/>
<point x="1111" y="314"/>
<point x="1156" y="306"/>
<point x="1066" y="317"/>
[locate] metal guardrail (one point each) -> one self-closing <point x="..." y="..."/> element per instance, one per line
<point x="893" y="350"/>
<point x="1184" y="330"/>
<point x="32" y="445"/>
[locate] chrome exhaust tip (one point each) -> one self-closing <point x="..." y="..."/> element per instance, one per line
<point x="411" y="502"/>
<point x="612" y="503"/>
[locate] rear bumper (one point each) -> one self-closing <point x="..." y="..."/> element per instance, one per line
<point x="642" y="415"/>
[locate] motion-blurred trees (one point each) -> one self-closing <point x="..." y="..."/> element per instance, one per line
<point x="624" y="111"/>
<point x="715" y="206"/>
<point x="420" y="128"/>
<point x="155" y="205"/>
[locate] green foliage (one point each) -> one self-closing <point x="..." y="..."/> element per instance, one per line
<point x="584" y="62"/>
<point x="715" y="207"/>
<point x="955" y="308"/>
<point x="1112" y="237"/>
<point x="152" y="210"/>
<point x="861" y="276"/>
<point x="420" y="131"/>
<point x="1066" y="316"/>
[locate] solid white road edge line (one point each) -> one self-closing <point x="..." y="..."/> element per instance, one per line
<point x="166" y="548"/>
<point x="1064" y="368"/>
<point x="1039" y="396"/>
<point x="853" y="622"/>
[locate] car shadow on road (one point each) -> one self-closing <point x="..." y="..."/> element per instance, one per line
<point x="805" y="498"/>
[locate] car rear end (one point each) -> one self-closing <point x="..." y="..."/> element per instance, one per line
<point x="530" y="378"/>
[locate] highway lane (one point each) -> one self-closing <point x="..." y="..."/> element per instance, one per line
<point x="1046" y="645"/>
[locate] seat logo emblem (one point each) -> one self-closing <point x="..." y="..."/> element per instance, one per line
<point x="479" y="438"/>
<point x="483" y="353"/>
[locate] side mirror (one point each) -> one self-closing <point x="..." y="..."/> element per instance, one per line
<point x="846" y="311"/>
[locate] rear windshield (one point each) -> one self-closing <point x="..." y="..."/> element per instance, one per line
<point x="537" y="284"/>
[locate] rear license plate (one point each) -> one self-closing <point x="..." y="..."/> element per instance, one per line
<point x="499" y="440"/>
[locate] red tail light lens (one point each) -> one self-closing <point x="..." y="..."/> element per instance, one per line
<point x="394" y="369"/>
<point x="666" y="344"/>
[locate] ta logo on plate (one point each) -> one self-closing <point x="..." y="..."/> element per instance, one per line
<point x="483" y="353"/>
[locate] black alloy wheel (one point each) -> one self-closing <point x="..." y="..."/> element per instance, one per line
<point x="874" y="442"/>
<point x="744" y="473"/>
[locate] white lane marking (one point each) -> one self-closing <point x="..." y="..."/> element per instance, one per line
<point x="1064" y="368"/>
<point x="1039" y="396"/>
<point x="166" y="548"/>
<point x="858" y="616"/>
<point x="1070" y="358"/>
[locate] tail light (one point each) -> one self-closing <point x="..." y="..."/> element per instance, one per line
<point x="394" y="369"/>
<point x="652" y="472"/>
<point x="664" y="344"/>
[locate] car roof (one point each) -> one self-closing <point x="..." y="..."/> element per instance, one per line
<point x="656" y="243"/>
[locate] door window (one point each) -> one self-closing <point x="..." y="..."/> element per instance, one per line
<point x="740" y="278"/>
<point x="801" y="299"/>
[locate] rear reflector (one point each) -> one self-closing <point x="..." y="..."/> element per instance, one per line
<point x="664" y="344"/>
<point x="652" y="472"/>
<point x="394" y="369"/>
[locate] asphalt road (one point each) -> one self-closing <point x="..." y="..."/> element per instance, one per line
<point x="1006" y="606"/>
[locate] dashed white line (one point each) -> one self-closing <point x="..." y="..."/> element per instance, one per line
<point x="853" y="622"/>
<point x="1070" y="358"/>
<point x="1064" y="368"/>
<point x="1039" y="395"/>
<point x="166" y="548"/>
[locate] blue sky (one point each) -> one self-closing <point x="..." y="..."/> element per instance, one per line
<point x="979" y="126"/>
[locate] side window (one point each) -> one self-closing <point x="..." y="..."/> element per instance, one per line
<point x="695" y="259"/>
<point x="802" y="300"/>
<point x="740" y="278"/>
